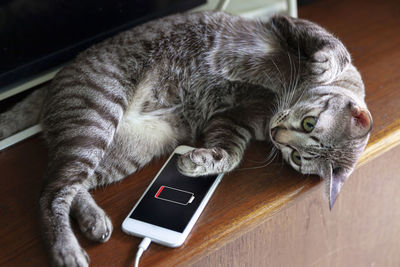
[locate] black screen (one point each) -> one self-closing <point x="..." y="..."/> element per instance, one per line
<point x="173" y="198"/>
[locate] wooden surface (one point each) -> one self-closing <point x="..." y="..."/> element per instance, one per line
<point x="245" y="199"/>
<point x="362" y="230"/>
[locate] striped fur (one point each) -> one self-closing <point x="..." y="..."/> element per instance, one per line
<point x="203" y="75"/>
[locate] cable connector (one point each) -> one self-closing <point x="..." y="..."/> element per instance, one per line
<point x="141" y="248"/>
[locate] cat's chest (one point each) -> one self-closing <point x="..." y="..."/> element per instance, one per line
<point x="168" y="105"/>
<point x="192" y="89"/>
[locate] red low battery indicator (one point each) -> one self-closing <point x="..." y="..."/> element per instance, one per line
<point x="174" y="195"/>
<point x="159" y="191"/>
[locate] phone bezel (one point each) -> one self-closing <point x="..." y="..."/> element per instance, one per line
<point x="163" y="235"/>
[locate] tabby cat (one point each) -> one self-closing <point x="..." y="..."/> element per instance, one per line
<point x="171" y="81"/>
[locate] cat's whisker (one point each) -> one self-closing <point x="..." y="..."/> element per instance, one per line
<point x="290" y="87"/>
<point x="294" y="88"/>
<point x="270" y="155"/>
<point x="289" y="93"/>
<point x="298" y="78"/>
<point x="276" y="104"/>
<point x="282" y="162"/>
<point x="266" y="73"/>
<point x="281" y="76"/>
<point x="264" y="165"/>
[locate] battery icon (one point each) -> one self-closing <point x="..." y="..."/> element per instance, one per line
<point x="174" y="195"/>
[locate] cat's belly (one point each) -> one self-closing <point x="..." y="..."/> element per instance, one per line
<point x="151" y="124"/>
<point x="148" y="133"/>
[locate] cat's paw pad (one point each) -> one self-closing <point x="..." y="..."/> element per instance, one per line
<point x="328" y="63"/>
<point x="95" y="224"/>
<point x="202" y="161"/>
<point x="69" y="254"/>
<point x="323" y="66"/>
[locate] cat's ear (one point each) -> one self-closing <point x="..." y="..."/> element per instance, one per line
<point x="334" y="179"/>
<point x="360" y="122"/>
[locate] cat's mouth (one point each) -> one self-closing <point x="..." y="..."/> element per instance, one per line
<point x="280" y="136"/>
<point x="273" y="133"/>
<point x="276" y="129"/>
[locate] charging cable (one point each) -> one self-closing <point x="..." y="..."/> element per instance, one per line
<point x="142" y="247"/>
<point x="221" y="5"/>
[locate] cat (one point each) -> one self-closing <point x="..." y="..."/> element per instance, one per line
<point x="204" y="75"/>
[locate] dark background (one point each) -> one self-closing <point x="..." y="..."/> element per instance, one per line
<point x="36" y="35"/>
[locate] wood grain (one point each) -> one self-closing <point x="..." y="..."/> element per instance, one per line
<point x="245" y="199"/>
<point x="360" y="230"/>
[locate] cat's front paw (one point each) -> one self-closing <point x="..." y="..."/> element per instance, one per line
<point x="202" y="161"/>
<point x="329" y="62"/>
<point x="95" y="224"/>
<point x="69" y="254"/>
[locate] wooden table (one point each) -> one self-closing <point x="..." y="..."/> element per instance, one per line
<point x="269" y="216"/>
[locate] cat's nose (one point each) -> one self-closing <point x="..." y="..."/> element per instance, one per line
<point x="273" y="132"/>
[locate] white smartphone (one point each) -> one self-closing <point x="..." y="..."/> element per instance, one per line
<point x="171" y="204"/>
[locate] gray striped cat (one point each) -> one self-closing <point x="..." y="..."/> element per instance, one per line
<point x="204" y="75"/>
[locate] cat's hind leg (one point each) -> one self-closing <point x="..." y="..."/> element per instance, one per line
<point x="79" y="129"/>
<point x="66" y="178"/>
<point x="93" y="221"/>
<point x="128" y="152"/>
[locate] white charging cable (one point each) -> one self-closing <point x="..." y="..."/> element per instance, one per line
<point x="222" y="4"/>
<point x="142" y="247"/>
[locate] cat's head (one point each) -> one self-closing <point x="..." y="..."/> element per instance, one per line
<point x="324" y="133"/>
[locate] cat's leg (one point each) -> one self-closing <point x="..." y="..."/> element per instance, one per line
<point x="78" y="131"/>
<point x="93" y="221"/>
<point x="282" y="54"/>
<point x="225" y="141"/>
<point x="323" y="57"/>
<point x="126" y="154"/>
<point x="119" y="161"/>
<point x="67" y="175"/>
<point x="65" y="179"/>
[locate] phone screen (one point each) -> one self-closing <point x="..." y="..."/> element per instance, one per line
<point x="173" y="198"/>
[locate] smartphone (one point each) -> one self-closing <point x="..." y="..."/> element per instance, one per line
<point x="171" y="204"/>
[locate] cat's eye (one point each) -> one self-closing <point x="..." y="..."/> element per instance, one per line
<point x="309" y="123"/>
<point x="296" y="158"/>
